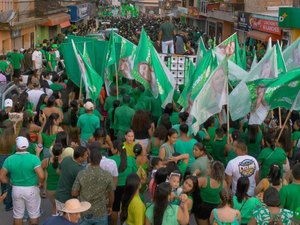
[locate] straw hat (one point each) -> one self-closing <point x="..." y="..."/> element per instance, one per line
<point x="75" y="206"/>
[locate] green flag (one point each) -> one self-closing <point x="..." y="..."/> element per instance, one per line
<point x="94" y="80"/>
<point x="197" y="79"/>
<point x="151" y="72"/>
<point x="292" y="55"/>
<point x="269" y="46"/>
<point x="110" y="67"/>
<point x="127" y="56"/>
<point x="280" y="60"/>
<point x="230" y="47"/>
<point x="212" y="97"/>
<point x="200" y="51"/>
<point x="262" y="95"/>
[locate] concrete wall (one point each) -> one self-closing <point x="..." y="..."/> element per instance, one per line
<point x="261" y="5"/>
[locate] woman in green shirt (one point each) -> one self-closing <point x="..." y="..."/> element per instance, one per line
<point x="254" y="140"/>
<point x="210" y="188"/>
<point x="210" y="128"/>
<point x="126" y="165"/>
<point x="133" y="209"/>
<point x="270" y="155"/>
<point x="157" y="140"/>
<point x="162" y="212"/>
<point x="200" y="165"/>
<point x="244" y="203"/>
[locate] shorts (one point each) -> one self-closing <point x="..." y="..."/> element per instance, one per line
<point x="26" y="198"/>
<point x="204" y="209"/>
<point x="17" y="73"/>
<point x="118" y="197"/>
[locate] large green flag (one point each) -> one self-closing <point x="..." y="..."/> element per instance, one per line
<point x="212" y="97"/>
<point x="261" y="95"/>
<point x="231" y="48"/>
<point x="197" y="79"/>
<point x="266" y="68"/>
<point x="151" y="72"/>
<point x="94" y="80"/>
<point x="110" y="67"/>
<point x="292" y="55"/>
<point x="200" y="51"/>
<point x="127" y="56"/>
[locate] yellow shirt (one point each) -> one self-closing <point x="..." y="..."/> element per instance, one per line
<point x="129" y="148"/>
<point x="136" y="212"/>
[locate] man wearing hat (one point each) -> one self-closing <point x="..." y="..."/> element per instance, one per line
<point x="71" y="213"/>
<point x="37" y="58"/>
<point x="8" y="104"/>
<point x="87" y="123"/>
<point x="26" y="175"/>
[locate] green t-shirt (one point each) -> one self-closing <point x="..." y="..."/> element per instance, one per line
<point x="174" y="118"/>
<point x="48" y="139"/>
<point x="122" y="119"/>
<point x="218" y="150"/>
<point x="182" y="166"/>
<point x="254" y="148"/>
<point x="170" y="215"/>
<point x="21" y="167"/>
<point x="82" y="111"/>
<point x="56" y="87"/>
<point x="109" y="101"/>
<point x="290" y="196"/>
<point x="52" y="59"/>
<point x="267" y="157"/>
<point x="131" y="168"/>
<point x="231" y="155"/>
<point x="246" y="207"/>
<point x="15" y="59"/>
<point x="208" y="144"/>
<point x="156" y="107"/>
<point x="167" y="30"/>
<point x="68" y="173"/>
<point x="3" y="66"/>
<point x="296" y="137"/>
<point x="87" y="123"/>
<point x="183" y="147"/>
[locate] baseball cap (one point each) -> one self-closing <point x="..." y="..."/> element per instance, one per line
<point x="37" y="45"/>
<point x="22" y="143"/>
<point x="54" y="46"/>
<point x="8" y="103"/>
<point x="89" y="106"/>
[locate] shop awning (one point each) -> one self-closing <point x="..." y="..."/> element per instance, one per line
<point x="57" y="19"/>
<point x="261" y="36"/>
<point x="65" y="24"/>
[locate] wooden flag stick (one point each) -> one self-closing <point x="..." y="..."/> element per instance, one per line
<point x="280" y="119"/>
<point x="288" y="116"/>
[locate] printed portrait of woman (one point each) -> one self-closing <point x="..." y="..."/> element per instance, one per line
<point x="147" y="73"/>
<point x="125" y="67"/>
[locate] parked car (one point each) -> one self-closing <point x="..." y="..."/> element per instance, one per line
<point x="8" y="90"/>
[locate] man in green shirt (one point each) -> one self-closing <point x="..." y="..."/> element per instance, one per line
<point x="218" y="146"/>
<point x="51" y="60"/>
<point x="290" y="194"/>
<point x="166" y="34"/>
<point x="55" y="86"/>
<point x="123" y="117"/>
<point x="16" y="60"/>
<point x="87" y="123"/>
<point x="25" y="174"/>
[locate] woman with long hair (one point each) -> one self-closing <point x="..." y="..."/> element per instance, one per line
<point x="210" y="188"/>
<point x="129" y="142"/>
<point x="161" y="212"/>
<point x="142" y="127"/>
<point x="157" y="139"/>
<point x="190" y="187"/>
<point x="225" y="214"/>
<point x="40" y="106"/>
<point x="48" y="133"/>
<point x="167" y="149"/>
<point x="28" y="122"/>
<point x="273" y="179"/>
<point x="254" y="140"/>
<point x="103" y="139"/>
<point x="51" y="108"/>
<point x="272" y="213"/>
<point x="133" y="209"/>
<point x="270" y="155"/>
<point x="202" y="159"/>
<point x="142" y="163"/>
<point x="50" y="166"/>
<point x="244" y="203"/>
<point x="126" y="165"/>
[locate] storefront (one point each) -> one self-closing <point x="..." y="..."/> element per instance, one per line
<point x="259" y="27"/>
<point x="219" y="28"/>
<point x="79" y="13"/>
<point x="53" y="26"/>
<point x="288" y="20"/>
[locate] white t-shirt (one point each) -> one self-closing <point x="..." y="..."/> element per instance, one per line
<point x="57" y="54"/>
<point x="37" y="56"/>
<point x="110" y="166"/>
<point x="246" y="166"/>
<point x="34" y="96"/>
<point x="49" y="91"/>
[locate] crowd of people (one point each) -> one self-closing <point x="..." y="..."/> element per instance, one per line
<point x="125" y="160"/>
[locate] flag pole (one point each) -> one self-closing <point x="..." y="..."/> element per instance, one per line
<point x="228" y="125"/>
<point x="80" y="88"/>
<point x="288" y="116"/>
<point x="117" y="81"/>
<point x="280" y="119"/>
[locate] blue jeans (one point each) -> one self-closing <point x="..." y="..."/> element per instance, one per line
<point x="86" y="220"/>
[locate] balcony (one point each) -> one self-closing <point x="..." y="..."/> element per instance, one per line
<point x="46" y="7"/>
